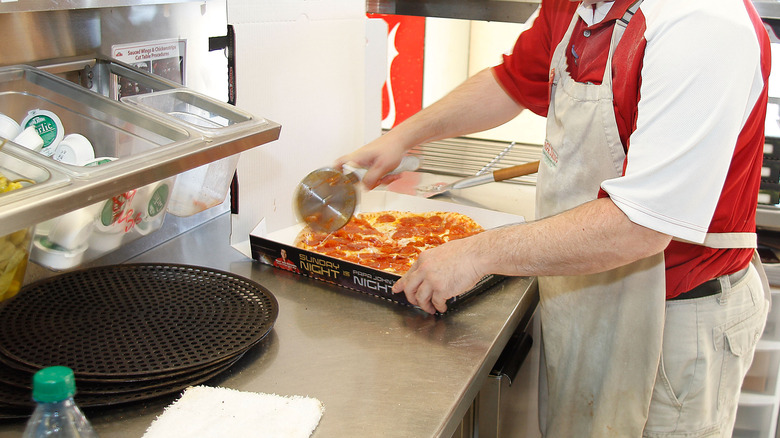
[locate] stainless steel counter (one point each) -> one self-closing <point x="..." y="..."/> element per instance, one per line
<point x="379" y="368"/>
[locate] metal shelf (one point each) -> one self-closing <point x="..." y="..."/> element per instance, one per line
<point x="513" y="11"/>
<point x="9" y="6"/>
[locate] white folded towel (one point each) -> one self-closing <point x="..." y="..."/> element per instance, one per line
<point x="209" y="412"/>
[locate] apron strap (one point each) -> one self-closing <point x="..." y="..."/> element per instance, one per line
<point x="623" y="21"/>
<point x="726" y="240"/>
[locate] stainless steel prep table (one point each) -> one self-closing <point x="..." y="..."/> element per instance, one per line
<point x="379" y="368"/>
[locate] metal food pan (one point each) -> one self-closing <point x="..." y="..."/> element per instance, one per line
<point x="114" y="129"/>
<point x="17" y="163"/>
<point x="201" y="113"/>
<point x="203" y="187"/>
<point x="165" y="98"/>
<point x="198" y="189"/>
<point x="148" y="147"/>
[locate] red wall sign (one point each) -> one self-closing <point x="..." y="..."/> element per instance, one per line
<point x="402" y="92"/>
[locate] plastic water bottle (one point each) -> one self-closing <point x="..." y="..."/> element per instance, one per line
<point x="56" y="414"/>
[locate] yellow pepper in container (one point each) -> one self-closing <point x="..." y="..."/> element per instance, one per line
<point x="14" y="251"/>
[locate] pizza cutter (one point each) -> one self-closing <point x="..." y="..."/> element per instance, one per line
<point x="326" y="198"/>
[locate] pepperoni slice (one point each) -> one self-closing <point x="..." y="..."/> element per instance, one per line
<point x="409" y="250"/>
<point x="433" y="240"/>
<point x="434" y="220"/>
<point x="385" y="219"/>
<point x="411" y="221"/>
<point x="403" y="233"/>
<point x="356" y="246"/>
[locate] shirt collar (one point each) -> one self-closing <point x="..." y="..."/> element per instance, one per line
<point x="592" y="15"/>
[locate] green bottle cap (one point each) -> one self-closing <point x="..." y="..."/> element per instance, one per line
<point x="53" y="384"/>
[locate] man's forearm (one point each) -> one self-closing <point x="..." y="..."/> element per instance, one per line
<point x="593" y="237"/>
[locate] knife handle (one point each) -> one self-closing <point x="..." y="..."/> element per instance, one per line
<point x="515" y="171"/>
<point x="408" y="163"/>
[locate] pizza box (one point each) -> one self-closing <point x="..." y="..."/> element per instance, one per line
<point x="278" y="248"/>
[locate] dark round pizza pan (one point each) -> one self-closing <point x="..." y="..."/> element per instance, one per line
<point x="23" y="381"/>
<point x="20" y="375"/>
<point x="16" y="400"/>
<point x="132" y="321"/>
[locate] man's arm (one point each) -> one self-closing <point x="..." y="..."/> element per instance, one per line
<point x="594" y="237"/>
<point x="477" y="104"/>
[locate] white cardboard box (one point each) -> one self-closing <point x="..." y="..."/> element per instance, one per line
<point x="267" y="247"/>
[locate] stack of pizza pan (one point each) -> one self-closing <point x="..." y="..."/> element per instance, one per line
<point x="130" y="332"/>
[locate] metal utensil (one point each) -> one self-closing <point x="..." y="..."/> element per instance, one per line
<point x="487" y="167"/>
<point x="497" y="175"/>
<point x="326" y="198"/>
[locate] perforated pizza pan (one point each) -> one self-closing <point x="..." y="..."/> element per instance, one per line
<point x="16" y="399"/>
<point x="17" y="374"/>
<point x="23" y="380"/>
<point x="130" y="320"/>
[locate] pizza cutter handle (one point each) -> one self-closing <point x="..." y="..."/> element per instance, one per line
<point x="409" y="163"/>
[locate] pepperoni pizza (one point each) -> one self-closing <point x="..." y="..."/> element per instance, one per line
<point x="388" y="240"/>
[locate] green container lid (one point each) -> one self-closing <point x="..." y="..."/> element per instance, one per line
<point x="53" y="384"/>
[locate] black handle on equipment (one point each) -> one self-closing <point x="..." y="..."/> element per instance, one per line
<point x="513" y="356"/>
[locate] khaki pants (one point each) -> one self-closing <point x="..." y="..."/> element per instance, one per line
<point x="707" y="350"/>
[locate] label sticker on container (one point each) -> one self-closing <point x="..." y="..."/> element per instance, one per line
<point x="153" y="199"/>
<point x="116" y="214"/>
<point x="158" y="200"/>
<point x="49" y="127"/>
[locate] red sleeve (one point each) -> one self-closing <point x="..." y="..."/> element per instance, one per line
<point x="524" y="74"/>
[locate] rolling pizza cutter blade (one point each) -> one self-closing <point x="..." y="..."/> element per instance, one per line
<point x="326" y="198"/>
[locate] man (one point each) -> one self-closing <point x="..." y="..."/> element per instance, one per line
<point x="651" y="299"/>
<point x="283" y="262"/>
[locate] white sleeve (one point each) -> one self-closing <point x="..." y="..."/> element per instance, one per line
<point x="700" y="79"/>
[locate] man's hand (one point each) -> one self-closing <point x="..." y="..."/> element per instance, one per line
<point x="441" y="273"/>
<point x="380" y="157"/>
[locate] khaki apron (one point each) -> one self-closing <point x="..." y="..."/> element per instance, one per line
<point x="601" y="334"/>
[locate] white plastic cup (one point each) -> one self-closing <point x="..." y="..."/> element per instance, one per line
<point x="73" y="229"/>
<point x="103" y="242"/>
<point x="30" y="139"/>
<point x="9" y="129"/>
<point x="54" y="256"/>
<point x="74" y="149"/>
<point x="49" y="127"/>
